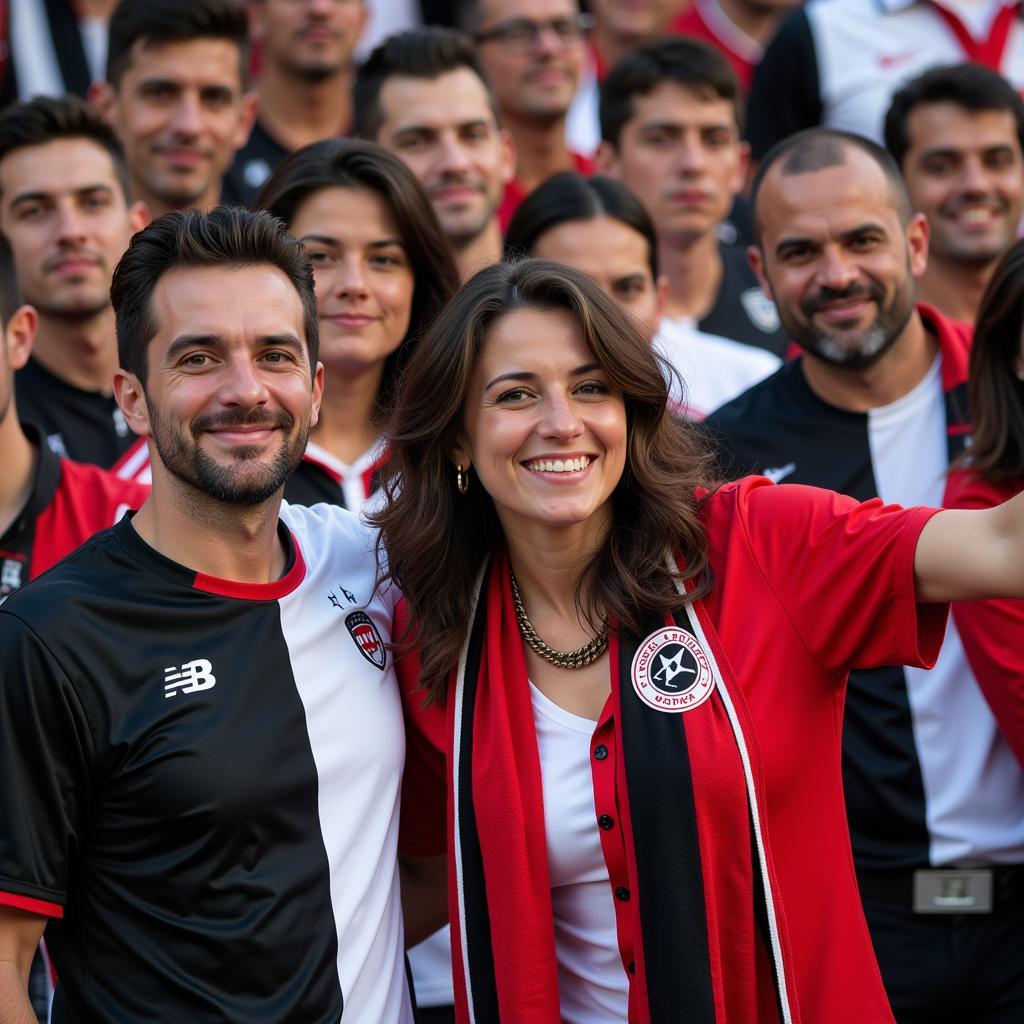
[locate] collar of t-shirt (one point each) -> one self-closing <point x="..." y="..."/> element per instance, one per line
<point x="981" y="26"/>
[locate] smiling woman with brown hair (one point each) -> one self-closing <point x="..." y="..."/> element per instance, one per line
<point x="628" y="686"/>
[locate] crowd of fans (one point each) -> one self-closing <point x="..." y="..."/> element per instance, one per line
<point x="811" y="212"/>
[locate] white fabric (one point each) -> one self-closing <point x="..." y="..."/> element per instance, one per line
<point x="95" y="33"/>
<point x="352" y="485"/>
<point x="974" y="786"/>
<point x="864" y="54"/>
<point x="714" y="370"/>
<point x="431" y="965"/>
<point x="385" y="18"/>
<point x="354" y="720"/>
<point x="592" y="983"/>
<point x="583" y="122"/>
<point x="35" y="63"/>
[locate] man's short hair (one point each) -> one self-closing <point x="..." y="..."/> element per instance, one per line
<point x="173" y="21"/>
<point x="815" y="149"/>
<point x="686" y="62"/>
<point x="10" y="293"/>
<point x="46" y="119"/>
<point x="971" y="86"/>
<point x="428" y="52"/>
<point x="229" y="237"/>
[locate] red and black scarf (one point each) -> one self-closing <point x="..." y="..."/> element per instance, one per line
<point x="711" y="942"/>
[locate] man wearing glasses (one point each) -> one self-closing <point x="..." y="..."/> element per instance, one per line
<point x="533" y="53"/>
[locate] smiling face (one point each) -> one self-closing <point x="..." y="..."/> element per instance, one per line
<point x="229" y="397"/>
<point x="445" y="131"/>
<point x="543" y="428"/>
<point x="63" y="209"/>
<point x="614" y="255"/>
<point x="838" y="260"/>
<point x="364" y="281"/>
<point x="965" y="172"/>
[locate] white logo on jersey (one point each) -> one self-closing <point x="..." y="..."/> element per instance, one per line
<point x="192" y="676"/>
<point x="779" y="473"/>
<point x="760" y="310"/>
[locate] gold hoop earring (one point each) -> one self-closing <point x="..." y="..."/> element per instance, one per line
<point x="462" y="478"/>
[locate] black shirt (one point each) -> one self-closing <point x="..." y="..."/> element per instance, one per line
<point x="253" y="165"/>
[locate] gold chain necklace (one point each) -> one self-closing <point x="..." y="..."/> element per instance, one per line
<point x="580" y="658"/>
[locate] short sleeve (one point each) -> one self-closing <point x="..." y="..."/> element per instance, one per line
<point x="785" y="96"/>
<point x="423" y="831"/>
<point x="843" y="572"/>
<point x="45" y="748"/>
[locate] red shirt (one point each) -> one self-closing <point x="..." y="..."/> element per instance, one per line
<point x="992" y="632"/>
<point x="515" y="193"/>
<point x="694" y="23"/>
<point x="808" y="584"/>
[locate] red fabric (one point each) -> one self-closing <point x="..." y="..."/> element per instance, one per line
<point x="808" y="584"/>
<point x="691" y="23"/>
<point x="88" y="499"/>
<point x="515" y="193"/>
<point x="12" y="899"/>
<point x="990" y="50"/>
<point x="954" y="337"/>
<point x="992" y="632"/>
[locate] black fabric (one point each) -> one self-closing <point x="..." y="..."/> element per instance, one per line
<point x="86" y="426"/>
<point x="67" y="43"/>
<point x="664" y="833"/>
<point x="181" y="836"/>
<point x="311" y="483"/>
<point x="252" y="166"/>
<point x="785" y="95"/>
<point x="477" y="928"/>
<point x="741" y="310"/>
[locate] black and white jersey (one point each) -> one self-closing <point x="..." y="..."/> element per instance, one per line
<point x="741" y="310"/>
<point x="201" y="782"/>
<point x="87" y="426"/>
<point x="837" y="63"/>
<point x="928" y="777"/>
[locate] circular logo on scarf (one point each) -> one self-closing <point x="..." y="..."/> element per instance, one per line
<point x="671" y="672"/>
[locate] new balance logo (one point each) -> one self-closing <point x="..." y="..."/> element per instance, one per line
<point x="779" y="473"/>
<point x="192" y="676"/>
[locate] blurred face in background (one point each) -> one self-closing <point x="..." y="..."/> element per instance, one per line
<point x="616" y="256"/>
<point x="309" y="39"/>
<point x="633" y="21"/>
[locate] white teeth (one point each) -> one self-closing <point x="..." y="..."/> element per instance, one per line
<point x="559" y="465"/>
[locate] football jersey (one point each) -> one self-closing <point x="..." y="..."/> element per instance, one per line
<point x="253" y="165"/>
<point x="201" y="782"/>
<point x="928" y="777"/>
<point x="87" y="426"/>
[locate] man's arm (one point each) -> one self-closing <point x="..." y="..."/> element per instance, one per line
<point x="20" y="933"/>
<point x="424" y="896"/>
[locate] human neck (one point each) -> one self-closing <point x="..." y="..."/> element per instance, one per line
<point x="158" y="205"/>
<point x="753" y="20"/>
<point x="954" y="288"/>
<point x="480" y="252"/>
<point x="694" y="273"/>
<point x="611" y="47"/>
<point x="540" y="149"/>
<point x="18" y="457"/>
<point x="297" y="111"/>
<point x="229" y="542"/>
<point x="82" y="353"/>
<point x="899" y="371"/>
<point x="346" y="428"/>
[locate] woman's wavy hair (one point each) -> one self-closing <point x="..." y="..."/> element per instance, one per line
<point x="436" y="539"/>
<point x="352" y="163"/>
<point x="995" y="391"/>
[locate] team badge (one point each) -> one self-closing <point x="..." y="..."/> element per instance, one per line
<point x="760" y="309"/>
<point x="367" y="639"/>
<point x="671" y="672"/>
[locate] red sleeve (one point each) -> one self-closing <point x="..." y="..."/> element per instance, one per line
<point x="423" y="829"/>
<point x="991" y="631"/>
<point x="842" y="571"/>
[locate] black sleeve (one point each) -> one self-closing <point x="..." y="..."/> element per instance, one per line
<point x="45" y="756"/>
<point x="785" y="96"/>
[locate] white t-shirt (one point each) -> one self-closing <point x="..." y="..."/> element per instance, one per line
<point x="714" y="370"/>
<point x="592" y="983"/>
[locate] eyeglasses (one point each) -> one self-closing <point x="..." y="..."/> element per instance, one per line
<point x="521" y="34"/>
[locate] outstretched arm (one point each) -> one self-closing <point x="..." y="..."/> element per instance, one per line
<point x="964" y="554"/>
<point x="20" y="933"/>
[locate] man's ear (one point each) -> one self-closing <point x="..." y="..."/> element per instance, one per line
<point x="318" y="394"/>
<point x="250" y="108"/>
<point x="19" y="334"/>
<point x="139" y="216"/>
<point x="103" y="97"/>
<point x="131" y="398"/>
<point x="756" y="260"/>
<point x="607" y="159"/>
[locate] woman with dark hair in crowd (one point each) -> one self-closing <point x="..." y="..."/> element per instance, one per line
<point x="383" y="270"/>
<point x="991" y="472"/>
<point x="627" y="684"/>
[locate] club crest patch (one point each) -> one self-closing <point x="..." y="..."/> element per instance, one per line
<point x="364" y="632"/>
<point x="671" y="672"/>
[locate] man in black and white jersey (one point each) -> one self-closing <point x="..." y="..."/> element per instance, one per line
<point x="876" y="407"/>
<point x="200" y="733"/>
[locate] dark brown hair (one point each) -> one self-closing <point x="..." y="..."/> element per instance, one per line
<point x="352" y="163"/>
<point x="227" y="236"/>
<point x="436" y="539"/>
<point x="996" y="393"/>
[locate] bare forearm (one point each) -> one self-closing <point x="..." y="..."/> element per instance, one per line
<point x="15" y="1007"/>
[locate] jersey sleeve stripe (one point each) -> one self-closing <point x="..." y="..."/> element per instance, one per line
<point x="44" y="907"/>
